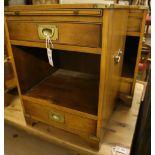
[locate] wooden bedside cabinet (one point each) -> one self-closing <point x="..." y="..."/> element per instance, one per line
<point x="78" y="93"/>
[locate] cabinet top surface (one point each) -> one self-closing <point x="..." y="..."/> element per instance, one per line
<point x="70" y="6"/>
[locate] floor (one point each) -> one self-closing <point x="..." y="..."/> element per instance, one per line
<point x="18" y="142"/>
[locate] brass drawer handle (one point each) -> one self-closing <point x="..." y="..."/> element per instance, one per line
<point x="48" y="30"/>
<point x="55" y="116"/>
<point x="117" y="57"/>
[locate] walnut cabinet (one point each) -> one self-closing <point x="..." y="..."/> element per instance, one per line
<point x="93" y="45"/>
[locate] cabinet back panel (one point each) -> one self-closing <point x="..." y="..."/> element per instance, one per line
<point x="76" y="61"/>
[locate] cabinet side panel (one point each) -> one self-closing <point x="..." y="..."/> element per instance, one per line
<point x="31" y="65"/>
<point x="114" y="34"/>
<point x="9" y="50"/>
<point x="8" y="46"/>
<point x="139" y="48"/>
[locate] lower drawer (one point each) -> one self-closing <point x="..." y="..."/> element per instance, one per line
<point x="60" y="119"/>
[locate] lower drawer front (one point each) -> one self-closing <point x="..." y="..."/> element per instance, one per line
<point x="60" y="119"/>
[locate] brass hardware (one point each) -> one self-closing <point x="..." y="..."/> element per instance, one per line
<point x="76" y="12"/>
<point x="117" y="57"/>
<point x="17" y="13"/>
<point x="55" y="116"/>
<point x="48" y="30"/>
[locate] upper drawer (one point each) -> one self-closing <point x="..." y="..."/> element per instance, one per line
<point x="135" y="20"/>
<point x="78" y="34"/>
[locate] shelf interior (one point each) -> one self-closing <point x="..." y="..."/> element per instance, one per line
<point x="73" y="81"/>
<point x="71" y="89"/>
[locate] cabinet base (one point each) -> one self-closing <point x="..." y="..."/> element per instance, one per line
<point x="91" y="141"/>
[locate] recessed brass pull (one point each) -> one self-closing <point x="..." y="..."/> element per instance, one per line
<point x="55" y="116"/>
<point x="48" y="30"/>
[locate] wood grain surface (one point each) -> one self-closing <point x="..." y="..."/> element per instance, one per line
<point x="92" y="98"/>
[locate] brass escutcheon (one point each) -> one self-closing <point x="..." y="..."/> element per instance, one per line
<point x="48" y="30"/>
<point x="55" y="116"/>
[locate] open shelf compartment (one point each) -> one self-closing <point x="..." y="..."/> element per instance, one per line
<point x="69" y="89"/>
<point x="72" y="83"/>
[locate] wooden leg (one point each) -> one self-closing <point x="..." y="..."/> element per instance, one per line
<point x="127" y="99"/>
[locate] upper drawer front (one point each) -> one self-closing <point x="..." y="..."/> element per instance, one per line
<point x="134" y="24"/>
<point x="78" y="34"/>
<point x="135" y="20"/>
